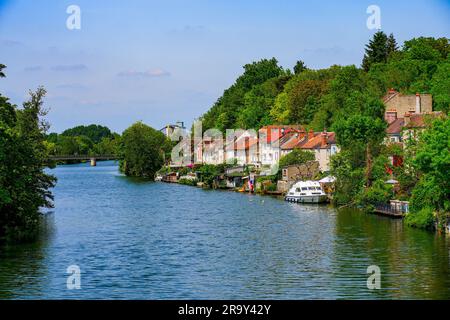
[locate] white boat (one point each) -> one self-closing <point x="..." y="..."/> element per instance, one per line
<point x="306" y="192"/>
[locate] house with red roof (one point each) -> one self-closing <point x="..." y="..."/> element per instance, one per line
<point x="272" y="138"/>
<point x="323" y="145"/>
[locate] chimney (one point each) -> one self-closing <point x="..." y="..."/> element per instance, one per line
<point x="310" y="134"/>
<point x="418" y="106"/>
<point x="302" y="134"/>
<point x="390" y="116"/>
<point x="407" y="118"/>
<point x="324" y="138"/>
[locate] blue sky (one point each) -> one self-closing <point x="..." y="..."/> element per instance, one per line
<point x="164" y="61"/>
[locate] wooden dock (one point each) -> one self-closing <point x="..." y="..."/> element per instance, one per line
<point x="388" y="210"/>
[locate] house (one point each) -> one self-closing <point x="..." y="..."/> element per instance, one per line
<point x="398" y="104"/>
<point x="169" y="129"/>
<point x="414" y="123"/>
<point x="323" y="145"/>
<point x="243" y="148"/>
<point x="403" y="129"/>
<point x="271" y="138"/>
<point x="296" y="141"/>
<point x="213" y="151"/>
<point x="394" y="131"/>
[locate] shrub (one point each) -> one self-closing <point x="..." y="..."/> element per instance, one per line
<point x="188" y="182"/>
<point x="423" y="219"/>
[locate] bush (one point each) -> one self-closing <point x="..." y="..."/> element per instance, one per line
<point x="379" y="192"/>
<point x="188" y="182"/>
<point x="423" y="219"/>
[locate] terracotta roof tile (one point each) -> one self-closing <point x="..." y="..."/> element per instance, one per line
<point x="316" y="142"/>
<point x="396" y="126"/>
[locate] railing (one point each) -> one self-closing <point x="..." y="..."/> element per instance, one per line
<point x="388" y="209"/>
<point x="83" y="157"/>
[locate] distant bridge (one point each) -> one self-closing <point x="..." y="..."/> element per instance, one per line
<point x="80" y="157"/>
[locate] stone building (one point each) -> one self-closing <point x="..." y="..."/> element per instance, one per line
<point x="398" y="104"/>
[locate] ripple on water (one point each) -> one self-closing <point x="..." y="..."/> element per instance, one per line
<point x="135" y="239"/>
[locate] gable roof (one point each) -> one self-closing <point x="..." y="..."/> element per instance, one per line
<point x="396" y="126"/>
<point x="317" y="143"/>
<point x="420" y="120"/>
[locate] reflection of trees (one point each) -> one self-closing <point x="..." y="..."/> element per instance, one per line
<point x="414" y="263"/>
<point x="23" y="270"/>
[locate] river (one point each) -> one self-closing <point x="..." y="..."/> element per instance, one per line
<point x="134" y="239"/>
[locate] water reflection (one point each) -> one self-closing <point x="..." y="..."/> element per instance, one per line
<point x="414" y="263"/>
<point x="23" y="268"/>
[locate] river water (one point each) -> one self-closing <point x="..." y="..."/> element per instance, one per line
<point x="134" y="239"/>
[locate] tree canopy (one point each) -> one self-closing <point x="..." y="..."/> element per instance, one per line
<point x="142" y="150"/>
<point x="24" y="186"/>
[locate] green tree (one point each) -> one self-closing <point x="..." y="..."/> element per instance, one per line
<point x="24" y="186"/>
<point x="94" y="132"/>
<point x="296" y="157"/>
<point x="299" y="67"/>
<point x="225" y="112"/>
<point x="2" y="74"/>
<point x="433" y="161"/>
<point x="376" y="50"/>
<point x="142" y="151"/>
<point x="440" y="87"/>
<point x="392" y="46"/>
<point x="258" y="103"/>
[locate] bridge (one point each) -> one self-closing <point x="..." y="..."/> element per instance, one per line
<point x="86" y="157"/>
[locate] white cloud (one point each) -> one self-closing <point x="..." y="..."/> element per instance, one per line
<point x="155" y="73"/>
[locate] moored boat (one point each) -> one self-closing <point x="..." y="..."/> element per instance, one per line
<point x="306" y="192"/>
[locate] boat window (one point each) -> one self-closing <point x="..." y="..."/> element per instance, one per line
<point x="304" y="188"/>
<point x="311" y="188"/>
<point x="297" y="190"/>
<point x="318" y="188"/>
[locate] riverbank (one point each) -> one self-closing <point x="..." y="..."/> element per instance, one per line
<point x="217" y="178"/>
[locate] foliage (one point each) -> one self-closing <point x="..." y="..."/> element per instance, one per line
<point x="440" y="87"/>
<point x="142" y="151"/>
<point x="299" y="67"/>
<point x="378" y="192"/>
<point x="2" y="74"/>
<point x="379" y="49"/>
<point x="225" y="112"/>
<point x="74" y="142"/>
<point x="188" y="182"/>
<point x="209" y="173"/>
<point x="94" y="132"/>
<point x="296" y="157"/>
<point x="433" y="161"/>
<point x="349" y="173"/>
<point x="423" y="219"/>
<point x="24" y="186"/>
<point x="302" y="96"/>
<point x="258" y="102"/>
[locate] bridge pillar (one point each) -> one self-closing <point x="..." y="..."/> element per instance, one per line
<point x="93" y="162"/>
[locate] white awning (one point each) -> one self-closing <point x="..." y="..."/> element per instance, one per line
<point x="328" y="179"/>
<point x="392" y="181"/>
